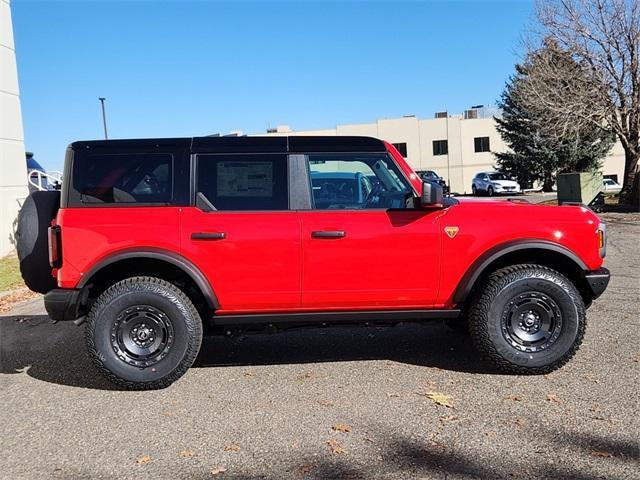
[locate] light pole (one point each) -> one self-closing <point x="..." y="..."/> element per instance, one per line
<point x="104" y="117"/>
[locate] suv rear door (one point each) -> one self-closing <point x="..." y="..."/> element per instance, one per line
<point x="241" y="232"/>
<point x="380" y="253"/>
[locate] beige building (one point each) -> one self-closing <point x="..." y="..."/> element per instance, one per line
<point x="13" y="168"/>
<point x="455" y="146"/>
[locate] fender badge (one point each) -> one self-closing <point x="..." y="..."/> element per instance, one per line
<point x="451" y="231"/>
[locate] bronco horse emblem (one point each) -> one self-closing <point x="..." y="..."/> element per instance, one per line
<point x="451" y="231"/>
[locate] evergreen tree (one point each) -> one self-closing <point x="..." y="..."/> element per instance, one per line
<point x="541" y="146"/>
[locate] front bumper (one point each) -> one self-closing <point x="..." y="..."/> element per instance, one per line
<point x="598" y="281"/>
<point x="65" y="303"/>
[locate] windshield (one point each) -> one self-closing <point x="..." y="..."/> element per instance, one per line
<point x="497" y="176"/>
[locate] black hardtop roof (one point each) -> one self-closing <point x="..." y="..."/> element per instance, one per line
<point x="293" y="144"/>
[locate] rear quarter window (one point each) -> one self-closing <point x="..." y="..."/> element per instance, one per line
<point x="124" y="178"/>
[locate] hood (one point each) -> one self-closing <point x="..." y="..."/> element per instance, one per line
<point x="506" y="183"/>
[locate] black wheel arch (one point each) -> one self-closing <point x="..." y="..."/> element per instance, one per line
<point x="107" y="270"/>
<point x="540" y="252"/>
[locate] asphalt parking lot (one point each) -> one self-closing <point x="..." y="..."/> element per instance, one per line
<point x="349" y="403"/>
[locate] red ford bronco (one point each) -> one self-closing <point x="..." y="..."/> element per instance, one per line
<point x="151" y="242"/>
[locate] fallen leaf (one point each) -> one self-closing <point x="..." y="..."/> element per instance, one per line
<point x="7" y="302"/>
<point x="448" y="418"/>
<point x="601" y="453"/>
<point x="521" y="422"/>
<point x="218" y="470"/>
<point x="591" y="378"/>
<point x="515" y="398"/>
<point x="490" y="434"/>
<point x="142" y="459"/>
<point x="232" y="448"/>
<point x="248" y="373"/>
<point x="335" y="446"/>
<point x="341" y="427"/>
<point x="369" y="439"/>
<point x="305" y="376"/>
<point x="439" y="399"/>
<point x="303" y="470"/>
<point x="393" y="395"/>
<point x="325" y="403"/>
<point x="186" y="454"/>
<point x="552" y="397"/>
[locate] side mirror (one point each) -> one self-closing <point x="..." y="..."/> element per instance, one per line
<point x="431" y="194"/>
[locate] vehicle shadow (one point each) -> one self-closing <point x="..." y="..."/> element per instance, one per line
<point x="56" y="353"/>
<point x="429" y="344"/>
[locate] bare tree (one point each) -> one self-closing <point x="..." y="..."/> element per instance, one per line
<point x="604" y="37"/>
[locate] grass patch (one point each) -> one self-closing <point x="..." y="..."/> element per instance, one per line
<point x="10" y="273"/>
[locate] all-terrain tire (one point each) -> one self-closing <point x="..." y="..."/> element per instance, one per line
<point x="509" y="296"/>
<point x="32" y="242"/>
<point x="174" y="321"/>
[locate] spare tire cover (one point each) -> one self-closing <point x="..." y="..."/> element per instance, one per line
<point x="32" y="243"/>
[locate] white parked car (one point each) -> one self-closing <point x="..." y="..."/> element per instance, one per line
<point x="611" y="187"/>
<point x="493" y="183"/>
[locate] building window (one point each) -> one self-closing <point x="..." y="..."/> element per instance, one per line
<point x="481" y="144"/>
<point x="402" y="148"/>
<point x="440" y="147"/>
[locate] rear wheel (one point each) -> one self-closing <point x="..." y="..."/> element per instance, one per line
<point x="528" y="319"/>
<point x="143" y="333"/>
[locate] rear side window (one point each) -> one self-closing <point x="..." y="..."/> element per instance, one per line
<point x="124" y="178"/>
<point x="243" y="182"/>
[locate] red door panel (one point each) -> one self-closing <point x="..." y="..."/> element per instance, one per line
<point x="386" y="259"/>
<point x="255" y="266"/>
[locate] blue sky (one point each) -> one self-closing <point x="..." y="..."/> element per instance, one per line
<point x="196" y="68"/>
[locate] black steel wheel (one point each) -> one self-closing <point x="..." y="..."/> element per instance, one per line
<point x="527" y="319"/>
<point x="531" y="321"/>
<point x="143" y="333"/>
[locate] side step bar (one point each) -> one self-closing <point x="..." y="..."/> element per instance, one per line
<point x="335" y="317"/>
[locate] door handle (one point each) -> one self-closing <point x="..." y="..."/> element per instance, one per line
<point x="208" y="236"/>
<point x="328" y="234"/>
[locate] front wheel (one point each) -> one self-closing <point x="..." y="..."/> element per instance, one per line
<point x="474" y="190"/>
<point x="143" y="333"/>
<point x="490" y="191"/>
<point x="528" y="319"/>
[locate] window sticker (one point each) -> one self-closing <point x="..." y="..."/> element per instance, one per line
<point x="245" y="179"/>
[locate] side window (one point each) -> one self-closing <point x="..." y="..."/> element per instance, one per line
<point x="357" y="181"/>
<point x="124" y="178"/>
<point x="243" y="182"/>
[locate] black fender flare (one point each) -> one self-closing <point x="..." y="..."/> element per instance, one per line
<point x="487" y="258"/>
<point x="175" y="259"/>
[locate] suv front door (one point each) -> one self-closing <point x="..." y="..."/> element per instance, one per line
<point x="241" y="232"/>
<point x="380" y="252"/>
